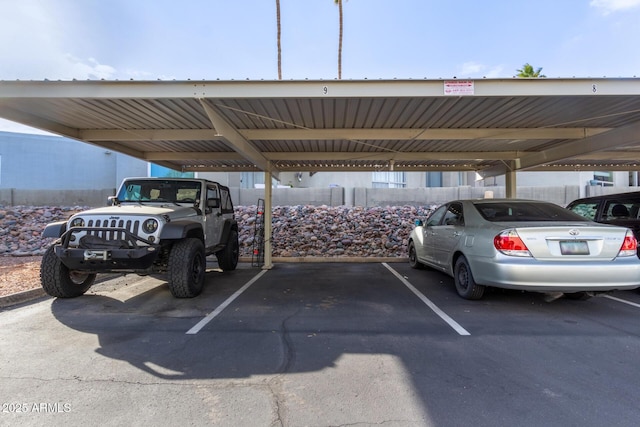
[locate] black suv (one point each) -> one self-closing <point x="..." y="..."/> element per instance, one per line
<point x="619" y="209"/>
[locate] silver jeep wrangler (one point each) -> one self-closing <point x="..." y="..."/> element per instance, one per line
<point x="152" y="226"/>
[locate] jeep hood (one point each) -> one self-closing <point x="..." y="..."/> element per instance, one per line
<point x="146" y="210"/>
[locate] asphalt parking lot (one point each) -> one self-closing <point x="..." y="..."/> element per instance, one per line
<point x="320" y="344"/>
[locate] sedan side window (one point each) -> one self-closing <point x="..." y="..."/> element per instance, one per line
<point x="454" y="216"/>
<point x="436" y="216"/>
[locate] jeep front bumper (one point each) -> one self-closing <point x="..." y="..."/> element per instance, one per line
<point x="107" y="260"/>
<point x="85" y="249"/>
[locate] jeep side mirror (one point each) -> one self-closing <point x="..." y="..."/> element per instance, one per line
<point x="113" y="201"/>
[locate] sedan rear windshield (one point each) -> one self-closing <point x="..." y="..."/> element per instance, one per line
<point x="525" y="211"/>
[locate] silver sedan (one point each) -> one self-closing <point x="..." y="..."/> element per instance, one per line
<point x="524" y="244"/>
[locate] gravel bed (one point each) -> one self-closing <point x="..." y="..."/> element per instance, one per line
<point x="298" y="231"/>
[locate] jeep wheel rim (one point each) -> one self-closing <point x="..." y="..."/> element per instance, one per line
<point x="78" y="277"/>
<point x="196" y="269"/>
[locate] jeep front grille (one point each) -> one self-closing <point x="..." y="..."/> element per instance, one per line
<point x="129" y="225"/>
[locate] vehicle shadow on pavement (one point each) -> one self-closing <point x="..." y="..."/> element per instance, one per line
<point x="357" y="323"/>
<point x="287" y="328"/>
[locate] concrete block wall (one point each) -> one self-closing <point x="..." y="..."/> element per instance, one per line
<point x="559" y="195"/>
<point x="335" y="196"/>
<point x="19" y="197"/>
<point x="597" y="190"/>
<point x="370" y="197"/>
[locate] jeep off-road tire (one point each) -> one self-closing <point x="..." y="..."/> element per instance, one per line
<point x="58" y="281"/>
<point x="187" y="266"/>
<point x="228" y="257"/>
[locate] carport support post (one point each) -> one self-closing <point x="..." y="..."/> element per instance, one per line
<point x="267" y="220"/>
<point x="510" y="182"/>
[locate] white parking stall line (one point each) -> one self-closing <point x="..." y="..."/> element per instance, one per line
<point x="224" y="305"/>
<point x="455" y="325"/>
<point x="621" y="300"/>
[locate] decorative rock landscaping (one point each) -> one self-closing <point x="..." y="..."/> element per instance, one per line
<point x="298" y="231"/>
<point x="21" y="228"/>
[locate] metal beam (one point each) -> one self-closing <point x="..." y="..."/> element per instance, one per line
<point x="114" y="146"/>
<point x="406" y="156"/>
<point x="335" y="156"/>
<point x="268" y="218"/>
<point x="610" y="155"/>
<point x="376" y="168"/>
<point x="585" y="167"/>
<point x="192" y="155"/>
<point x="584" y="148"/>
<point x="217" y="168"/>
<point x="236" y="141"/>
<point x="38" y="122"/>
<point x="127" y="89"/>
<point x="328" y="168"/>
<point x="346" y="134"/>
<point x="150" y="135"/>
<point x="346" y="156"/>
<point x="511" y="182"/>
<point x="418" y="134"/>
<point x="619" y="137"/>
<point x="398" y="168"/>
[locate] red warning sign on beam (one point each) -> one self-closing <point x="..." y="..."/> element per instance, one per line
<point x="458" y="87"/>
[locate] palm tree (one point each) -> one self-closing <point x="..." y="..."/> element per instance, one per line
<point x="339" y="3"/>
<point x="279" y="45"/>
<point x="528" y="71"/>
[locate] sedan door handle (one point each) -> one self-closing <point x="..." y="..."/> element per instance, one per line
<point x="457" y="234"/>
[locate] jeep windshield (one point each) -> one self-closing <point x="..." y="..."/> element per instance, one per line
<point x="159" y="191"/>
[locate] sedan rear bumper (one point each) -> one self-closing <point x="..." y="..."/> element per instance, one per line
<point x="545" y="276"/>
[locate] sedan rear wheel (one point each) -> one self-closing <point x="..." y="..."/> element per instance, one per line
<point x="463" y="279"/>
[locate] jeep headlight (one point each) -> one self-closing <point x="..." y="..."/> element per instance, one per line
<point x="77" y="222"/>
<point x="150" y="226"/>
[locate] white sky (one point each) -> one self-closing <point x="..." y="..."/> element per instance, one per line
<point x="236" y="39"/>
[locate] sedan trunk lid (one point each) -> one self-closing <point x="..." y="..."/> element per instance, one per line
<point x="573" y="242"/>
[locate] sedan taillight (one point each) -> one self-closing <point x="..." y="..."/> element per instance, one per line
<point x="509" y="243"/>
<point x="629" y="246"/>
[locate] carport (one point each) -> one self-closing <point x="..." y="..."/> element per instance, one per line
<point x="490" y="126"/>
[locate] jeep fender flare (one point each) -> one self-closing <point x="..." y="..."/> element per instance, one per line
<point x="229" y="225"/>
<point x="55" y="229"/>
<point x="177" y="230"/>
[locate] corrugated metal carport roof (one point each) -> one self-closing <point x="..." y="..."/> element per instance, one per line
<point x="489" y="125"/>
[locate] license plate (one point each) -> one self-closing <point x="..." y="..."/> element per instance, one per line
<point x="574" y="247"/>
